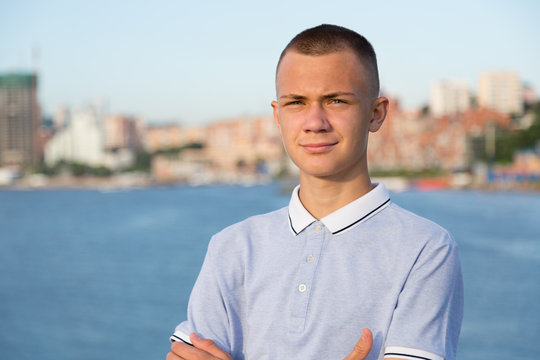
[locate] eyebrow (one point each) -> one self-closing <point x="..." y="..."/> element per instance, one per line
<point x="292" y="96"/>
<point x="324" y="97"/>
<point x="337" y="94"/>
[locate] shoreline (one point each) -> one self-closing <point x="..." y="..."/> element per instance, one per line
<point x="140" y="182"/>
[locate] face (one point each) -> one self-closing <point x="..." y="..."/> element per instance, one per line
<point x="324" y="111"/>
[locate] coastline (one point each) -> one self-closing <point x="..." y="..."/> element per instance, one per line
<point x="144" y="181"/>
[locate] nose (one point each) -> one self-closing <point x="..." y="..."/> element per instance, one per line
<point x="316" y="119"/>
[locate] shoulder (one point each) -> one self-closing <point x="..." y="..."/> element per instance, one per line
<point x="255" y="223"/>
<point x="231" y="251"/>
<point x="410" y="235"/>
<point x="406" y="220"/>
<point x="254" y="227"/>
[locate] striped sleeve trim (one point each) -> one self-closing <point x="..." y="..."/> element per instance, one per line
<point x="399" y="352"/>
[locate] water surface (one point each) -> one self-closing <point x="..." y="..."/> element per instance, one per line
<point x="91" y="275"/>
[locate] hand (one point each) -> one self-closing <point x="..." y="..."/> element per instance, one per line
<point x="363" y="346"/>
<point x="206" y="349"/>
<point x="202" y="349"/>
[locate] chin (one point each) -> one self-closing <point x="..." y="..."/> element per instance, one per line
<point x="315" y="165"/>
<point x="319" y="172"/>
<point x="330" y="170"/>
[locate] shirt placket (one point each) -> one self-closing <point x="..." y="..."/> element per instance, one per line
<point x="303" y="286"/>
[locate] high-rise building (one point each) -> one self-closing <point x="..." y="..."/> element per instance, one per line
<point x="501" y="91"/>
<point x="449" y="97"/>
<point x="19" y="119"/>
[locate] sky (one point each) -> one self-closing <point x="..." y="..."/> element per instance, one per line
<point x="194" y="62"/>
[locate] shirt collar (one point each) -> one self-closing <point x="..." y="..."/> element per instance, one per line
<point x="342" y="219"/>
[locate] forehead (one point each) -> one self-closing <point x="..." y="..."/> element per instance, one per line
<point x="337" y="69"/>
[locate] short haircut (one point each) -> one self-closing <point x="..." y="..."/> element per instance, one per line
<point x="326" y="39"/>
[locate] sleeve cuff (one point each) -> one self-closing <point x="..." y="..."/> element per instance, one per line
<point x="399" y="352"/>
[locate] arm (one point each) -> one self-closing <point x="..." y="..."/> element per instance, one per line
<point x="213" y="309"/>
<point x="363" y="347"/>
<point x="205" y="349"/>
<point x="202" y="349"/>
<point x="427" y="317"/>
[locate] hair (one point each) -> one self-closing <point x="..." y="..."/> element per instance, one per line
<point x="326" y="39"/>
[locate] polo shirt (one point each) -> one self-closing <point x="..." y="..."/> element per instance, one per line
<point x="285" y="285"/>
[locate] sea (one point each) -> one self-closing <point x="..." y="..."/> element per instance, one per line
<point x="94" y="274"/>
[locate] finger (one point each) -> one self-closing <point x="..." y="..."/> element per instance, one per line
<point x="173" y="356"/>
<point x="180" y="351"/>
<point x="209" y="346"/>
<point x="363" y="346"/>
<point x="188" y="352"/>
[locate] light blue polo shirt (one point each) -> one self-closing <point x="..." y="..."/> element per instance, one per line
<point x="285" y="286"/>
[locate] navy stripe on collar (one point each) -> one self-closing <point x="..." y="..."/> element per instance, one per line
<point x="342" y="219"/>
<point x="362" y="218"/>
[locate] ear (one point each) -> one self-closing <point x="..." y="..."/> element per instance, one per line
<point x="379" y="110"/>
<point x="275" y="107"/>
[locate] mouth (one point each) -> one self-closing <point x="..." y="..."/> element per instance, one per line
<point x="316" y="148"/>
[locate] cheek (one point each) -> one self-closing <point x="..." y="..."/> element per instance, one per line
<point x="288" y="140"/>
<point x="349" y="126"/>
<point x="287" y="128"/>
<point x="355" y="135"/>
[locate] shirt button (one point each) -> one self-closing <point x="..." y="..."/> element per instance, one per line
<point x="310" y="259"/>
<point x="302" y="288"/>
<point x="318" y="228"/>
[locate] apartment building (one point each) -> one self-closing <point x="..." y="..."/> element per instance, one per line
<point x="501" y="91"/>
<point x="449" y="97"/>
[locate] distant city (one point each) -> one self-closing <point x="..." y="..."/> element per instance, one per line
<point x="490" y="139"/>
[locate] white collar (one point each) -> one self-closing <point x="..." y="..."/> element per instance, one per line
<point x="342" y="219"/>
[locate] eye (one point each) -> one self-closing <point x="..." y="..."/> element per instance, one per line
<point x="294" y="102"/>
<point x="337" y="101"/>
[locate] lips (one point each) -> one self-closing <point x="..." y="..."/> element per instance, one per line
<point x="319" y="147"/>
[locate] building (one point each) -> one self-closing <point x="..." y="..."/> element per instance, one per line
<point x="409" y="140"/>
<point x="245" y="149"/>
<point x="61" y="117"/>
<point x="501" y="91"/>
<point x="170" y="136"/>
<point x="19" y="120"/>
<point x="244" y="142"/>
<point x="88" y="138"/>
<point x="81" y="141"/>
<point x="449" y="97"/>
<point x="530" y="97"/>
<point x="122" y="132"/>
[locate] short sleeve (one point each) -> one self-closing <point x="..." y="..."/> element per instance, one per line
<point x="427" y="318"/>
<point x="213" y="303"/>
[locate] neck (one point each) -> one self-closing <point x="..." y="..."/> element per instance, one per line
<point x="322" y="197"/>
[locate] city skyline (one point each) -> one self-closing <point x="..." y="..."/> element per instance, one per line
<point x="167" y="61"/>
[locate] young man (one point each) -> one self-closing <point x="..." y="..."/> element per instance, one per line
<point x="304" y="281"/>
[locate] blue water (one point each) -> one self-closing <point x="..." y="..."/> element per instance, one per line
<point x="92" y="275"/>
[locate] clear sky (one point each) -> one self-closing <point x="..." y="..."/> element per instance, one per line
<point x="198" y="61"/>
